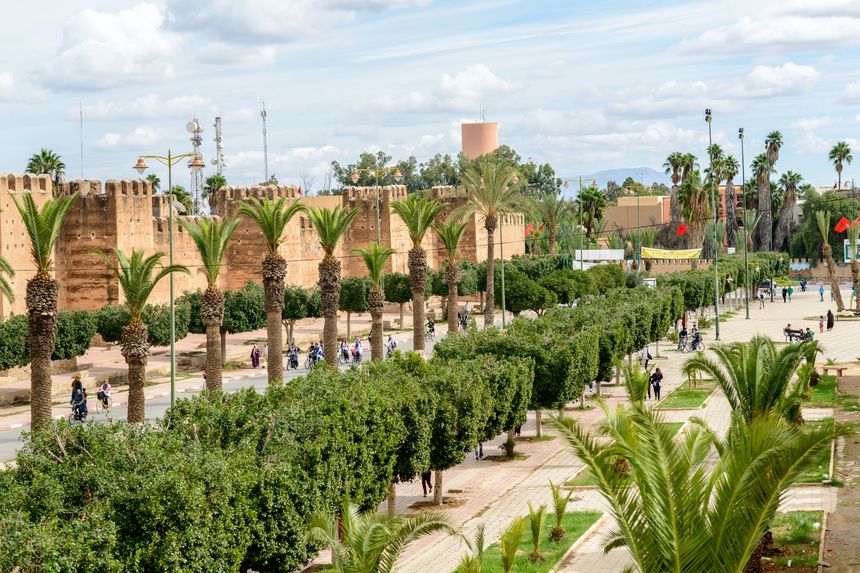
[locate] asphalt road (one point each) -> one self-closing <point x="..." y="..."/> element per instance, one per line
<point x="11" y="441"/>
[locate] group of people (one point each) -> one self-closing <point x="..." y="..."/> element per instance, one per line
<point x="352" y="352"/>
<point x="78" y="401"/>
<point x="694" y="334"/>
<point x="800" y="334"/>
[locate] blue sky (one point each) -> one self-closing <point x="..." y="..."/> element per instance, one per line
<point x="585" y="86"/>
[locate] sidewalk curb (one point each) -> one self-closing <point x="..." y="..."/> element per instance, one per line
<point x="579" y="542"/>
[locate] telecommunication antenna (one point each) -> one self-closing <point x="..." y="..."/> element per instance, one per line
<point x="81" y="110"/>
<point x="265" y="144"/>
<point x="218" y="162"/>
<point x="195" y="128"/>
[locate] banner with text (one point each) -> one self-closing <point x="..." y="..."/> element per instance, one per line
<point x="652" y="253"/>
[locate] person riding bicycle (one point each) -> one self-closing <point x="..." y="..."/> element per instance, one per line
<point x="104" y="393"/>
<point x="697" y="338"/>
<point x="431" y="328"/>
<point x="79" y="405"/>
<point x="682" y="337"/>
<point x="76" y="385"/>
<point x="344" y="350"/>
<point x="293" y="356"/>
<point x="357" y="348"/>
<point x="318" y="352"/>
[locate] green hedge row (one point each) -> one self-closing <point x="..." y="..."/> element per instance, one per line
<point x="227" y="482"/>
<point x="75" y="330"/>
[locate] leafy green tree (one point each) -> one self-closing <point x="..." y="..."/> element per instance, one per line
<point x="47" y="162"/>
<point x="272" y="217"/>
<point x="135" y="276"/>
<point x="331" y="225"/>
<point x="211" y="237"/>
<point x="375" y="258"/>
<point x="75" y="330"/>
<point x="184" y="197"/>
<point x="418" y="214"/>
<point x="522" y="293"/>
<point x="439" y="170"/>
<point x="790" y="182"/>
<point x="370" y="168"/>
<point x="551" y="209"/>
<point x="13" y="342"/>
<point x="807" y="240"/>
<point x="568" y="285"/>
<point x="353" y="298"/>
<point x="396" y="289"/>
<point x="677" y="510"/>
<point x="43" y="227"/>
<point x="540" y="179"/>
<point x="299" y="303"/>
<point x="112" y="319"/>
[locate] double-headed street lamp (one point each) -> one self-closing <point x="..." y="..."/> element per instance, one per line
<point x="579" y="199"/>
<point x="746" y="236"/>
<point x="376" y="172"/>
<point x="196" y="164"/>
<point x="716" y="218"/>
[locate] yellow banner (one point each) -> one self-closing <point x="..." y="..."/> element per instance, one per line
<point x="652" y="253"/>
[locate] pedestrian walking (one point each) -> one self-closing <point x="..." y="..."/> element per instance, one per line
<point x="656" y="381"/>
<point x="426" y="483"/>
<point x="479" y="451"/>
<point x="821" y="323"/>
<point x="255" y="357"/>
<point x="760" y="300"/>
<point x="790" y="292"/>
<point x="784" y="295"/>
<point x="265" y="355"/>
<point x="829" y="320"/>
<point x="821" y="293"/>
<point x="646" y="357"/>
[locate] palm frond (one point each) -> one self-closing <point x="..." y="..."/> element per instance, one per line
<point x="418" y="214"/>
<point x="330" y="224"/>
<point x="5" y="287"/>
<point x="510" y="542"/>
<point x="450" y="232"/>
<point x="211" y="236"/>
<point x="375" y="258"/>
<point x="271" y="217"/>
<point x="823" y="220"/>
<point x="43" y="226"/>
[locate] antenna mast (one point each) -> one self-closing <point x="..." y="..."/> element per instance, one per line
<point x="265" y="144"/>
<point x="218" y="162"/>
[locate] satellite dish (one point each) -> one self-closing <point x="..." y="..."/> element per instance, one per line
<point x="193" y="127"/>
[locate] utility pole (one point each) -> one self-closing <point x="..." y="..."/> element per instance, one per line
<point x="265" y="145"/>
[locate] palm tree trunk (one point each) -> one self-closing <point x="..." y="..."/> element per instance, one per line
<point x="551" y="241"/>
<point x="417" y="278"/>
<point x="731" y="214"/>
<point x="223" y="334"/>
<point x="489" y="297"/>
<point x="41" y="301"/>
<point x="274" y="273"/>
<point x="348" y="325"/>
<point x="765" y="225"/>
<point x="452" y="277"/>
<point x="538" y="423"/>
<point x="135" y="350"/>
<point x="827" y="251"/>
<point x="212" y="313"/>
<point x="375" y="302"/>
<point x="784" y="225"/>
<point x="329" y="271"/>
<point x="402" y="306"/>
<point x="855" y="278"/>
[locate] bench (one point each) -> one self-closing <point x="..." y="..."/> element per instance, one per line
<point x="840" y="370"/>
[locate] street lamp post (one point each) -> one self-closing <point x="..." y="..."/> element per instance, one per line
<point x="579" y="199"/>
<point x="746" y="236"/>
<point x="716" y="218"/>
<point x="514" y="180"/>
<point x="196" y="165"/>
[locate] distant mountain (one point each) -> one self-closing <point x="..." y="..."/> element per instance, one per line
<point x="619" y="175"/>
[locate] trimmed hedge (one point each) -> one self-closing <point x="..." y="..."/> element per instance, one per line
<point x="75" y="331"/>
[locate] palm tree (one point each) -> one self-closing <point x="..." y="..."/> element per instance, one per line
<point x="695" y="206"/>
<point x="212" y="237"/>
<point x="5" y="287"/>
<point x="592" y="201"/>
<point x="551" y="209"/>
<point x="823" y="220"/>
<point x="331" y="224"/>
<point x="689" y="163"/>
<point x="730" y="168"/>
<point x="450" y="232"/>
<point x="789" y="181"/>
<point x="418" y="214"/>
<point x="43" y="226"/>
<point x="755" y="377"/>
<point x="375" y="258"/>
<point x="673" y="166"/>
<point x="155" y="180"/>
<point x="761" y="169"/>
<point x="370" y="542"/>
<point x="490" y="192"/>
<point x="210" y="189"/>
<point x="840" y="155"/>
<point x="135" y="276"/>
<point x="46" y="162"/>
<point x="272" y="218"/>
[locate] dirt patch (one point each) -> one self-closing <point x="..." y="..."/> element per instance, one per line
<point x="504" y="458"/>
<point x="841" y="549"/>
<point x="430" y="507"/>
<point x="529" y="439"/>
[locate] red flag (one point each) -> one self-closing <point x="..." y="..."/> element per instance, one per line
<point x="541" y="227"/>
<point x="842" y="225"/>
<point x="530" y="229"/>
<point x="834" y="185"/>
<point x="300" y="190"/>
<point x="682" y="229"/>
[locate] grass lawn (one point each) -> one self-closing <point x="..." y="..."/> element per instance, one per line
<point x="688" y="398"/>
<point x="575" y="523"/>
<point x="824" y="393"/>
<point x="820" y="467"/>
<point x="797" y="535"/>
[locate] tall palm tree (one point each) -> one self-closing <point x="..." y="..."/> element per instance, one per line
<point x="5" y="287"/>
<point x="592" y="201"/>
<point x="823" y="220"/>
<point x="43" y="227"/>
<point x="370" y="542"/>
<point x="211" y="236"/>
<point x="272" y="218"/>
<point x="756" y="377"/>
<point x="210" y="190"/>
<point x="418" y="214"/>
<point x="490" y="192"/>
<point x="155" y="180"/>
<point x="675" y="508"/>
<point x="450" y="232"/>
<point x="136" y="281"/>
<point x="730" y="168"/>
<point x="375" y="258"/>
<point x="789" y="181"/>
<point x="673" y="166"/>
<point x="689" y="163"/>
<point x="695" y="207"/>
<point x="840" y="155"/>
<point x="762" y="167"/>
<point x="46" y="162"/>
<point x="551" y="209"/>
<point x="330" y="224"/>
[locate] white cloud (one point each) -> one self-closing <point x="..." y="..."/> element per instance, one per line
<point x="288" y="165"/>
<point x="101" y="50"/>
<point x="235" y="55"/>
<point x="812" y="123"/>
<point x="150" y="106"/>
<point x="787" y="79"/>
<point x="851" y="94"/>
<point x="139" y="137"/>
<point x="7" y="86"/>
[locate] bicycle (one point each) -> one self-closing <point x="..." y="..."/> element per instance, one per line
<point x="690" y="346"/>
<point x="104" y="406"/>
<point x="429" y="334"/>
<point x="77" y="416"/>
<point x="310" y="362"/>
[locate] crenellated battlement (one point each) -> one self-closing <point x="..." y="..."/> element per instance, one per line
<point x="444" y="192"/>
<point x="272" y="192"/>
<point x="83" y="187"/>
<point x="112" y="187"/>
<point x="25" y="182"/>
<point x="386" y="193"/>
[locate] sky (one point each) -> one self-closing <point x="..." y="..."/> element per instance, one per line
<point x="585" y="86"/>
